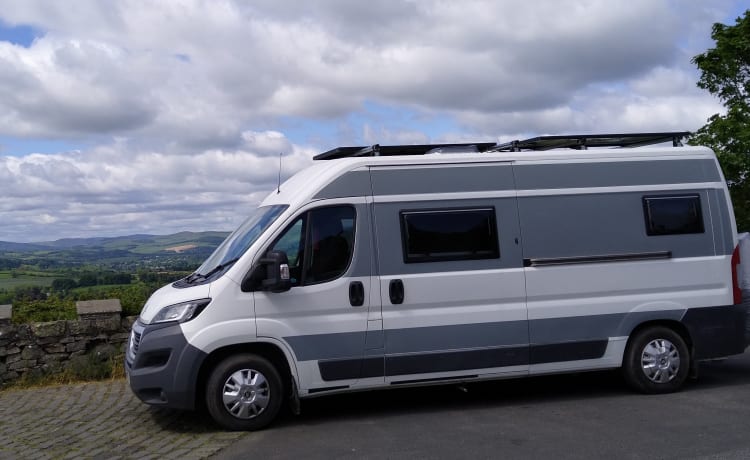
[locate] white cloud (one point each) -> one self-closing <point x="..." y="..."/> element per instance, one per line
<point x="196" y="72"/>
<point x="183" y="106"/>
<point x="386" y="136"/>
<point x="115" y="189"/>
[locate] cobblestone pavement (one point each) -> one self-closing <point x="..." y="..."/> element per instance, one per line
<point x="101" y="420"/>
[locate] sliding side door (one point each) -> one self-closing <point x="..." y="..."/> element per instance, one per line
<point x="451" y="274"/>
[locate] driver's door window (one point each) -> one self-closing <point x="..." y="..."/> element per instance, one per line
<point x="318" y="244"/>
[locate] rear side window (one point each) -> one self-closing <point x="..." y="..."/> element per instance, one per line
<point x="673" y="215"/>
<point x="449" y="234"/>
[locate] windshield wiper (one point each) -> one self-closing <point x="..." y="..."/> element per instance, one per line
<point x="203" y="276"/>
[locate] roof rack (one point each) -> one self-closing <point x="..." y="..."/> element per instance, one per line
<point x="584" y="141"/>
<point x="576" y="141"/>
<point x="390" y="150"/>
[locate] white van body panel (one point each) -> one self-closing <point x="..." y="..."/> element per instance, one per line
<point x="627" y="287"/>
<point x="230" y="319"/>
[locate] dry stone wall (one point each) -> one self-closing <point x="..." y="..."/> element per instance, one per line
<point x="32" y="350"/>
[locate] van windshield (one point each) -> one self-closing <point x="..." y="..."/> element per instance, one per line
<point x="232" y="248"/>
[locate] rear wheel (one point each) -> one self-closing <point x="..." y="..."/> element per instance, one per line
<point x="244" y="392"/>
<point x="656" y="360"/>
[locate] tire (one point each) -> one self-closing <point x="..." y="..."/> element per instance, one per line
<point x="244" y="393"/>
<point x="657" y="360"/>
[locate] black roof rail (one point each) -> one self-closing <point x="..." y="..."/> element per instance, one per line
<point x="584" y="141"/>
<point x="573" y="141"/>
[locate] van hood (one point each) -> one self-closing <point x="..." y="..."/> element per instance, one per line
<point x="169" y="295"/>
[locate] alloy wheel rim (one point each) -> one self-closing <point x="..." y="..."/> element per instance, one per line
<point x="660" y="361"/>
<point x="246" y="394"/>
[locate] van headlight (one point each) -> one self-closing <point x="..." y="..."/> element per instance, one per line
<point x="180" y="312"/>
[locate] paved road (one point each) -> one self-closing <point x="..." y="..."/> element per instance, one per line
<point x="580" y="416"/>
<point x="100" y="420"/>
<point x="563" y="417"/>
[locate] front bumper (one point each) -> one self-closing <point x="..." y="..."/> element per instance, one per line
<point x="162" y="366"/>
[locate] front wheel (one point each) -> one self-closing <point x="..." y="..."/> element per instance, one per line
<point x="656" y="360"/>
<point x="244" y="392"/>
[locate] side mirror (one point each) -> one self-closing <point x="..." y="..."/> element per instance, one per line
<point x="271" y="274"/>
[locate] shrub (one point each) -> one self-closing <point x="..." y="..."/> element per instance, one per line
<point x="50" y="309"/>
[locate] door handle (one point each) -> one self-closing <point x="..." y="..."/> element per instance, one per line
<point x="356" y="293"/>
<point x="396" y="291"/>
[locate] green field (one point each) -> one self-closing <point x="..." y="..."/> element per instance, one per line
<point x="7" y="281"/>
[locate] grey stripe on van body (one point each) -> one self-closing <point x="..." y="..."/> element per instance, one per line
<point x="472" y="177"/>
<point x="478" y="177"/>
<point x="614" y="174"/>
<point x="362" y="264"/>
<point x="352" y="183"/>
<point x="460" y="360"/>
<point x="327" y="346"/>
<point x="420" y="179"/>
<point x="722" y="222"/>
<point x="411" y="340"/>
<point x="478" y="335"/>
<point x="592" y="327"/>
<point x="586" y="225"/>
<point x="486" y="358"/>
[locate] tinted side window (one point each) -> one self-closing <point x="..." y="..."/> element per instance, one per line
<point x="331" y="243"/>
<point x="673" y="215"/>
<point x="318" y="244"/>
<point x="450" y="234"/>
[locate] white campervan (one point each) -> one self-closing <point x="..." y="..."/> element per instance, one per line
<point x="408" y="265"/>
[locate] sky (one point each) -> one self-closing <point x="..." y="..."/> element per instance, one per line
<point x="124" y="117"/>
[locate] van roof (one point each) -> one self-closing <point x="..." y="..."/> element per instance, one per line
<point x="305" y="184"/>
<point x="569" y="141"/>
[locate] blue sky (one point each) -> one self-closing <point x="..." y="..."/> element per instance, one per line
<point x="120" y="117"/>
<point x="20" y="34"/>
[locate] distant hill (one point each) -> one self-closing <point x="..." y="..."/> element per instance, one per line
<point x="141" y="243"/>
<point x="7" y="246"/>
<point x="184" y="248"/>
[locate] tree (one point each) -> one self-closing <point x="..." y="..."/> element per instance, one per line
<point x="725" y="73"/>
<point x="64" y="284"/>
<point x="88" y="279"/>
<point x="116" y="278"/>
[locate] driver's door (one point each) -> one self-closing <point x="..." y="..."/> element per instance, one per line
<point x="323" y="318"/>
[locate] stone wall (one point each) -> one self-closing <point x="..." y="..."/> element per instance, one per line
<point x="32" y="350"/>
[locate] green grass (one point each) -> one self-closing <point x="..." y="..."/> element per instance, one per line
<point x="8" y="282"/>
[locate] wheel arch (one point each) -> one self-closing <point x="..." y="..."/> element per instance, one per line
<point x="672" y="324"/>
<point x="269" y="350"/>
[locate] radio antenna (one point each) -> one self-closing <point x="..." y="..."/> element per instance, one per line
<point x="278" y="187"/>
